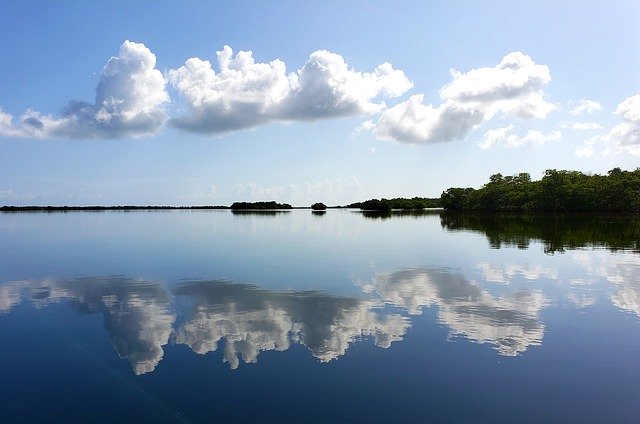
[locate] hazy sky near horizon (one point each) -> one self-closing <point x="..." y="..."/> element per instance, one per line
<point x="185" y="103"/>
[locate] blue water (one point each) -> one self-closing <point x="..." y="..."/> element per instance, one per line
<point x="210" y="316"/>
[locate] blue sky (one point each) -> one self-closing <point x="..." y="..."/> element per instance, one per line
<point x="129" y="102"/>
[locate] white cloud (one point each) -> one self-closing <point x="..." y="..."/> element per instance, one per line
<point x="585" y="151"/>
<point x="627" y="133"/>
<point x="585" y="106"/>
<point x="245" y="93"/>
<point x="364" y="127"/>
<point x="586" y="126"/>
<point x="623" y="138"/>
<point x="129" y="103"/>
<point x="502" y="137"/>
<point x="414" y="122"/>
<point x="511" y="88"/>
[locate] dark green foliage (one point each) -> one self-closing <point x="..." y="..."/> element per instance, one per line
<point x="318" y="206"/>
<point x="386" y="205"/>
<point x="557" y="232"/>
<point x="455" y="198"/>
<point x="557" y="191"/>
<point x="260" y="205"/>
<point x="382" y="205"/>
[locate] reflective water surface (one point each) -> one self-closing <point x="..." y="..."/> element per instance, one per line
<point x="206" y="316"/>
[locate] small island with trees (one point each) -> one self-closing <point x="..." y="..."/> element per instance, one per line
<point x="259" y="205"/>
<point x="319" y="206"/>
<point x="398" y="203"/>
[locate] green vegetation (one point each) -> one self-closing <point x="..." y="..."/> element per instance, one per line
<point x="557" y="191"/>
<point x="260" y="205"/>
<point x="557" y="232"/>
<point x="400" y="203"/>
<point x="319" y="206"/>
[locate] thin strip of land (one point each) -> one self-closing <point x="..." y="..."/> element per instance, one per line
<point x="557" y="191"/>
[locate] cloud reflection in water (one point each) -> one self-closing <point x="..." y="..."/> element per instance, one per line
<point x="251" y="320"/>
<point x="621" y="269"/>
<point x="511" y="323"/>
<point x="136" y="312"/>
<point x="244" y="320"/>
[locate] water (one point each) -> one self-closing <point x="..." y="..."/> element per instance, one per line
<point x="207" y="316"/>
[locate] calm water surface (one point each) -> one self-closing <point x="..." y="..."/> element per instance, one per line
<point x="211" y="316"/>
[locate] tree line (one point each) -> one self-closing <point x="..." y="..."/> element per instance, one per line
<point x="400" y="203"/>
<point x="557" y="191"/>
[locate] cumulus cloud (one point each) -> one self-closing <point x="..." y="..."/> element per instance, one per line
<point x="622" y="138"/>
<point x="414" y="122"/>
<point x="503" y="137"/>
<point x="585" y="106"/>
<point x="511" y="88"/>
<point x="129" y="102"/>
<point x="244" y="93"/>
<point x="627" y="133"/>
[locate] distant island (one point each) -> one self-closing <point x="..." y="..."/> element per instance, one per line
<point x="259" y="205"/>
<point x="319" y="206"/>
<point x="399" y="203"/>
<point x="557" y="191"/>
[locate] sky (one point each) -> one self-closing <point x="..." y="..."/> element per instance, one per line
<point x="207" y="103"/>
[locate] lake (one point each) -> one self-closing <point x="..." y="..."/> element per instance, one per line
<point x="343" y="316"/>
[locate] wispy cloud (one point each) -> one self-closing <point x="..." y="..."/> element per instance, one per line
<point x="586" y="126"/>
<point x="504" y="137"/>
<point x="585" y="106"/>
<point x="330" y="191"/>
